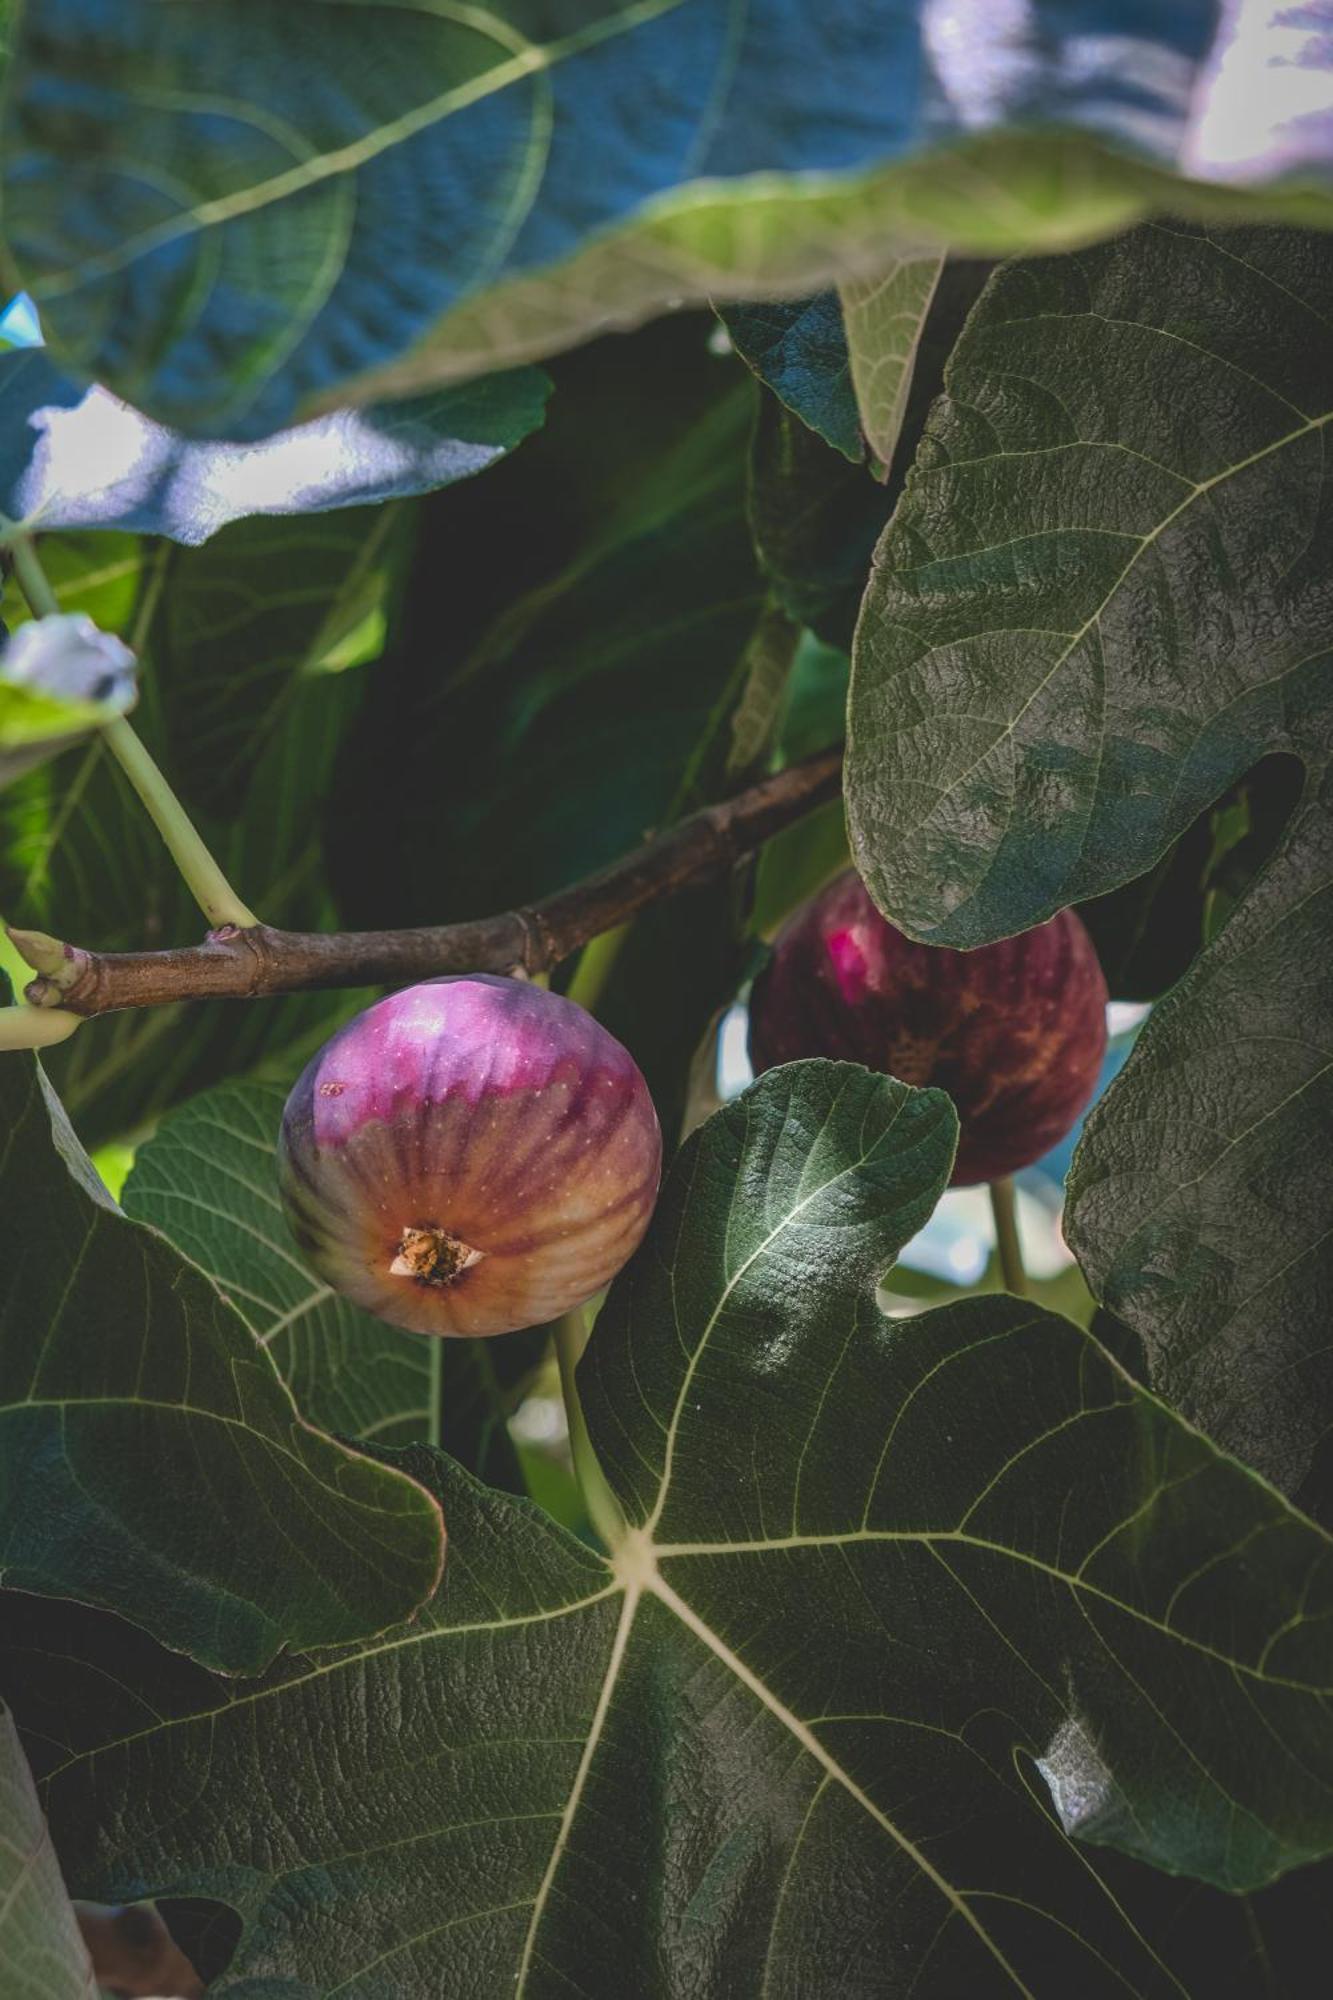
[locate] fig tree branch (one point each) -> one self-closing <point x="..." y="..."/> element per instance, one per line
<point x="249" y="963"/>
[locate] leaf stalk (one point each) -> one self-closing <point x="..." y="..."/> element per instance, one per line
<point x="604" y="1510"/>
<point x="1004" y="1208"/>
<point x="199" y="871"/>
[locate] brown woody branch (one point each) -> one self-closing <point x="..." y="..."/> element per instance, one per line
<point x="236" y="964"/>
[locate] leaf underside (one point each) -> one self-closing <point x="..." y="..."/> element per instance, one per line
<point x="578" y="171"/>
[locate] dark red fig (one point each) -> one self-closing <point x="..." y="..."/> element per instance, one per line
<point x="469" y="1156"/>
<point x="1015" y="1031"/>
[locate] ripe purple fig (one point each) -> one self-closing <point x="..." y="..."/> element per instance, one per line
<point x="1015" y="1031"/>
<point x="469" y="1156"/>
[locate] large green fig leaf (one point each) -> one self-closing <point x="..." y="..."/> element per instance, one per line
<point x="232" y="217"/>
<point x="901" y="1606"/>
<point x="1108" y="587"/>
<point x="152" y="1460"/>
<point x="208" y="1180"/>
<point x="1201" y="1193"/>
<point x="1108" y="590"/>
<point x="41" y="1950"/>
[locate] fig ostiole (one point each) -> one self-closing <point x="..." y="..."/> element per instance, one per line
<point x="470" y="1156"/>
<point x="1015" y="1032"/>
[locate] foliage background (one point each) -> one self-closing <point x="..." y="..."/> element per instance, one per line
<point x="956" y="1643"/>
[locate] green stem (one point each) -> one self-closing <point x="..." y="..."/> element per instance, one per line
<point x="596" y="963"/>
<point x="202" y="876"/>
<point x="199" y="871"/>
<point x="603" y="1508"/>
<point x="33" y="581"/>
<point x="1004" y="1209"/>
<point x="435" y="1413"/>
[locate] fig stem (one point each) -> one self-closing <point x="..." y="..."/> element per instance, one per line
<point x="434" y="1414"/>
<point x="200" y="872"/>
<point x="1004" y="1208"/>
<point x="604" y="1511"/>
<point x="32" y="578"/>
<point x="597" y="961"/>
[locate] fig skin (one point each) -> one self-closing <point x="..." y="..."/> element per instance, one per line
<point x="469" y="1156"/>
<point x="1014" y="1031"/>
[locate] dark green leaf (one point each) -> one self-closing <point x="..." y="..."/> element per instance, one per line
<point x="815" y="521"/>
<point x="232" y="213"/>
<point x="570" y="648"/>
<point x="799" y="349"/>
<point x="770" y="667"/>
<point x="803" y="857"/>
<point x="1148" y="932"/>
<point x="1107" y="590"/>
<point x="883" y="1576"/>
<point x="41" y="1951"/>
<point x="153" y="1462"/>
<point x="1200" y="1195"/>
<point x="1253" y="1947"/>
<point x="814" y="713"/>
<point x="207" y="1180"/>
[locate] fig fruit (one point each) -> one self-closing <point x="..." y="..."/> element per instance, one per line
<point x="1014" y="1031"/>
<point x="469" y="1156"/>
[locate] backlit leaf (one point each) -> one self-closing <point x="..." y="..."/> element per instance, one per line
<point x="153" y="1462"/>
<point x="207" y="1179"/>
